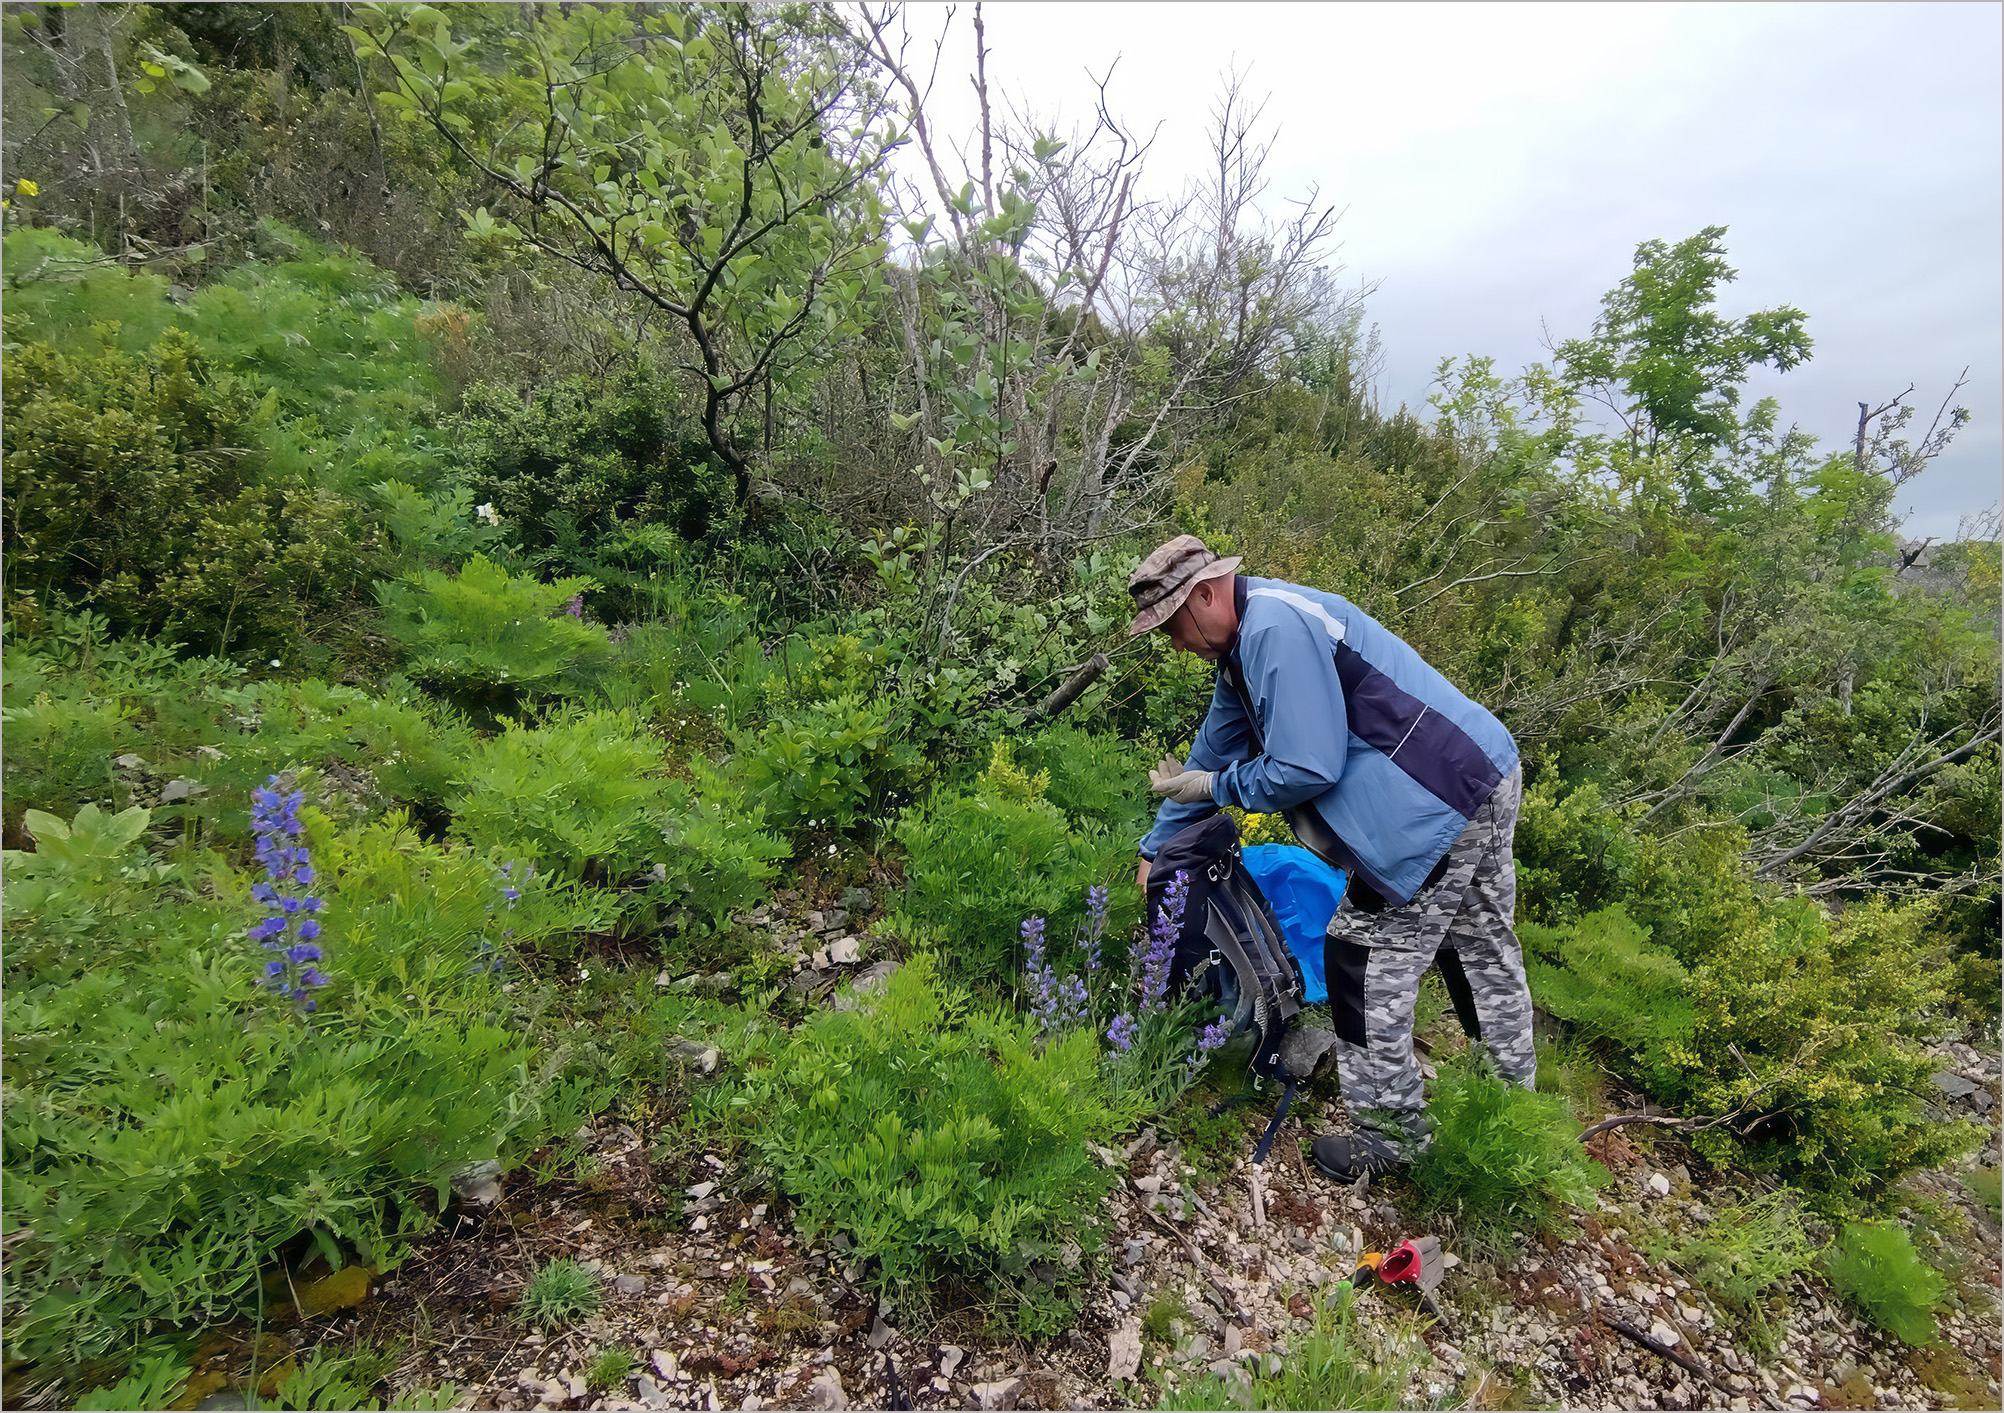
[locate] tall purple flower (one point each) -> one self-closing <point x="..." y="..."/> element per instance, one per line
<point x="1123" y="1030"/>
<point x="290" y="927"/>
<point x="1046" y="1000"/>
<point x="575" y="608"/>
<point x="1152" y="966"/>
<point x="1095" y="927"/>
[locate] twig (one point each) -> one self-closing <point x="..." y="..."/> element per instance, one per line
<point x="1656" y="1346"/>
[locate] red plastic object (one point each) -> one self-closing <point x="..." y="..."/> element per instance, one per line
<point x="1417" y="1262"/>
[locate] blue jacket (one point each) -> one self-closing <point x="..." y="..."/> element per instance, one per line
<point x="1392" y="757"/>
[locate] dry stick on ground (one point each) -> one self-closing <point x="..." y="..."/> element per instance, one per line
<point x="1656" y="1346"/>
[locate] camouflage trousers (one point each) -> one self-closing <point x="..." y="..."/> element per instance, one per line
<point x="1463" y="924"/>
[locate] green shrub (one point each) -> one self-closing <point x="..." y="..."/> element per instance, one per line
<point x="586" y="794"/>
<point x="1743" y="1251"/>
<point x="134" y="487"/>
<point x="156" y="1381"/>
<point x="1823" y="1025"/>
<point x="1986" y="1186"/>
<point x="1875" y="1267"/>
<point x="978" y="862"/>
<point x="439" y="529"/>
<point x="1812" y="1029"/>
<point x="567" y="464"/>
<point x="583" y="794"/>
<point x="1335" y="1366"/>
<point x="1503" y="1158"/>
<point x="1099" y="780"/>
<point x="559" y="1295"/>
<point x="173" y="1125"/>
<point x="1605" y="977"/>
<point x="486" y="636"/>
<point x="609" y="1368"/>
<point x="942" y="1139"/>
<point x="829" y="767"/>
<point x="718" y="858"/>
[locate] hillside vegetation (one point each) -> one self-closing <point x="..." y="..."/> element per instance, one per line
<point x="508" y="508"/>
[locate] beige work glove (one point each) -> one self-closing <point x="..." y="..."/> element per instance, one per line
<point x="1185" y="787"/>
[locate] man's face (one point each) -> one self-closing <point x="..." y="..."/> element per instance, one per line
<point x="1190" y="626"/>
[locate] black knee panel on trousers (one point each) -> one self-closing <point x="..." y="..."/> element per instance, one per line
<point x="1448" y="961"/>
<point x="1343" y="967"/>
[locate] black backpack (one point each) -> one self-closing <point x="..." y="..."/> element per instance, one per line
<point x="1230" y="948"/>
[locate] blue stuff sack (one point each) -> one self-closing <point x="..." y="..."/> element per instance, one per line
<point x="1303" y="891"/>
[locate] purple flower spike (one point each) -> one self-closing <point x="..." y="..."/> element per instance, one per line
<point x="1122" y="1031"/>
<point x="276" y="824"/>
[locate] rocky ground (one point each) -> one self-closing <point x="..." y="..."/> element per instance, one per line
<point x="728" y="1307"/>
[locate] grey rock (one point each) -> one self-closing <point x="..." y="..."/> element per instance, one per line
<point x="845" y="952"/>
<point x="950" y="1356"/>
<point x="869" y="981"/>
<point x="1954" y="1085"/>
<point x="880" y="1333"/>
<point x="1981" y="1100"/>
<point x="1123" y="1357"/>
<point x="835" y="918"/>
<point x="667" y="1365"/>
<point x="1000" y="1394"/>
<point x="224" y="1398"/>
<point x="651" y="1395"/>
<point x="826" y="1392"/>
<point x="479" y="1184"/>
<point x="629" y="1285"/>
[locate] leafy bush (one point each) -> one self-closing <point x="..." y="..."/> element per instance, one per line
<point x="566" y="465"/>
<point x="584" y="794"/>
<point x="1605" y="977"/>
<point x="488" y="636"/>
<point x="980" y="861"/>
<point x="174" y="1125"/>
<point x="439" y="529"/>
<point x="1746" y="1249"/>
<point x="1812" y="1029"/>
<point x="718" y="857"/>
<point x="1503" y="1157"/>
<point x="1335" y="1366"/>
<point x="156" y="1381"/>
<point x="560" y="1293"/>
<point x="941" y="1138"/>
<point x="831" y="766"/>
<point x="1097" y="779"/>
<point x="1875" y="1267"/>
<point x="133" y="486"/>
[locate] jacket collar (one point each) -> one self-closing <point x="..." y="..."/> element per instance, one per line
<point x="1238" y="617"/>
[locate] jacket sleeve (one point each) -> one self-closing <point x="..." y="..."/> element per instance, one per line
<point x="1291" y="675"/>
<point x="1222" y="739"/>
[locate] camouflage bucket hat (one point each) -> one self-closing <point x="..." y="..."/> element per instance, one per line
<point x="1166" y="577"/>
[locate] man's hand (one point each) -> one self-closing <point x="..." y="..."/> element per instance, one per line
<point x="1185" y="787"/>
<point x="1141" y="877"/>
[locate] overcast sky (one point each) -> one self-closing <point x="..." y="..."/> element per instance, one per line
<point x="1498" y="163"/>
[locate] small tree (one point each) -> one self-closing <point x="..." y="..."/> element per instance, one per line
<point x="719" y="161"/>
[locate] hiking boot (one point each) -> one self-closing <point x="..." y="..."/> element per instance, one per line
<point x="1346" y="1157"/>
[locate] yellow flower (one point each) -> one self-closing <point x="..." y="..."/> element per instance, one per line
<point x="24" y="187"/>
